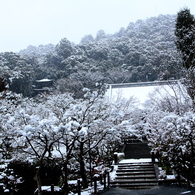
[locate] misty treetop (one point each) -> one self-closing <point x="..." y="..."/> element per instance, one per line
<point x="144" y="51"/>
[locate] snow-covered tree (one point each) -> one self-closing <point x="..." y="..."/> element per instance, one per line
<point x="92" y="131"/>
<point x="172" y="138"/>
<point x="170" y="98"/>
<point x="185" y="42"/>
<point x="90" y="125"/>
<point x="17" y="72"/>
<point x="185" y="36"/>
<point x="82" y="133"/>
<point x="33" y="130"/>
<point x="87" y="39"/>
<point x="64" y="48"/>
<point x="60" y="106"/>
<point x="75" y="83"/>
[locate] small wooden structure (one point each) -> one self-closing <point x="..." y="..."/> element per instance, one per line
<point x="43" y="86"/>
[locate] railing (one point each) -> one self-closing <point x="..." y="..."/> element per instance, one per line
<point x="104" y="180"/>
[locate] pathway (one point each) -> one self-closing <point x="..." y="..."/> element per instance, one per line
<point x="136" y="153"/>
<point x="159" y="190"/>
<point x="136" y="171"/>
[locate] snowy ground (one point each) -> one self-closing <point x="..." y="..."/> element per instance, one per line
<point x="141" y="160"/>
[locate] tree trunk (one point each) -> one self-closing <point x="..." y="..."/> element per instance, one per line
<point x="83" y="173"/>
<point x="90" y="164"/>
<point x="82" y="166"/>
<point x="38" y="179"/>
<point x="66" y="189"/>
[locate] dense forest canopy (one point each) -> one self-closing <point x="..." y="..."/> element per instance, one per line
<point x="144" y="51"/>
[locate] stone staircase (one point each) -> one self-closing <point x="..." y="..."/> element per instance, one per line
<point x="139" y="175"/>
<point x="136" y="171"/>
<point x="137" y="150"/>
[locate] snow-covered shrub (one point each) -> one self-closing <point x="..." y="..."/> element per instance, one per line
<point x="170" y="128"/>
<point x="162" y="174"/>
<point x="172" y="98"/>
<point x="173" y="136"/>
<point x="81" y="135"/>
<point x="11" y="182"/>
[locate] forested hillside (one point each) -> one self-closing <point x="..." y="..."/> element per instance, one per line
<point x="144" y="51"/>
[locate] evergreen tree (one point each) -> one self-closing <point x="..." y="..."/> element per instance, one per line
<point x="185" y="37"/>
<point x="185" y="42"/>
<point x="64" y="49"/>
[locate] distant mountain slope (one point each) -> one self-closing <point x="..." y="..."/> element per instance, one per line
<point x="144" y="51"/>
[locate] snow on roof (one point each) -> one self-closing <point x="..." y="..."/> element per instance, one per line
<point x="43" y="80"/>
<point x="138" y="91"/>
<point x="141" y="160"/>
<point x="139" y="84"/>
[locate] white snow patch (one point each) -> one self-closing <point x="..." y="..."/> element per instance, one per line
<point x="187" y="192"/>
<point x="85" y="193"/>
<point x="170" y="177"/>
<point x="73" y="182"/>
<point x="59" y="152"/>
<point x="83" y="131"/>
<point x="135" y="160"/>
<point x="43" y="80"/>
<point x="90" y="190"/>
<point x="3" y="166"/>
<point x="48" y="188"/>
<point x="120" y="156"/>
<point x="113" y="173"/>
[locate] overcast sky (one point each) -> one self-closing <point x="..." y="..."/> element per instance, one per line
<point x="35" y="22"/>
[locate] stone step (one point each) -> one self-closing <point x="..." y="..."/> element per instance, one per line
<point x="146" y="173"/>
<point x="135" y="177"/>
<point x="135" y="185"/>
<point x="136" y="170"/>
<point x="137" y="173"/>
<point x="130" y="181"/>
<point x="135" y="165"/>
<point x="137" y="150"/>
